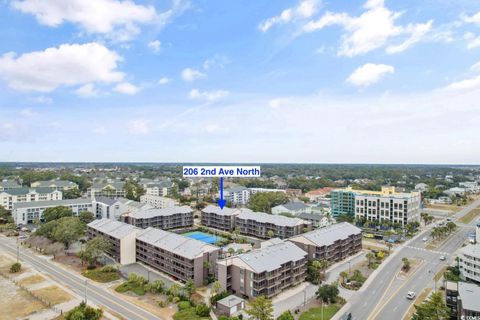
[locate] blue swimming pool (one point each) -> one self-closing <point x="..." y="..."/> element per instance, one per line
<point x="203" y="236"/>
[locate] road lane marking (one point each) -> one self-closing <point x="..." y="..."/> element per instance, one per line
<point x="396" y="291"/>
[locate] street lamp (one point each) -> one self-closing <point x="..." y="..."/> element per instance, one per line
<point x="18" y="249"/>
<point x="349" y="268"/>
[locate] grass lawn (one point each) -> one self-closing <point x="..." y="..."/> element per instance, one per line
<point x="470" y="216"/>
<point x="124" y="287"/>
<point x="316" y="313"/>
<point x="28" y="281"/>
<point x="53" y="294"/>
<point x="101" y="276"/>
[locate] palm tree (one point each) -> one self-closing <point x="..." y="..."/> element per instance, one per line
<point x="343" y="276"/>
<point x="370" y="256"/>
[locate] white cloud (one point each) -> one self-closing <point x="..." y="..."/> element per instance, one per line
<point x="305" y="9"/>
<point x="155" y="46"/>
<point x="369" y="74"/>
<point x="69" y="64"/>
<point x="116" y="19"/>
<point x="189" y="74"/>
<point x="371" y="30"/>
<point x="127" y="88"/>
<point x="472" y="83"/>
<point x="217" y="61"/>
<point x="209" y="96"/>
<point x="28" y="112"/>
<point x="164" y="81"/>
<point x="138" y="127"/>
<point x="418" y="32"/>
<point x="475" y="19"/>
<point x="473" y="41"/>
<point x="87" y="91"/>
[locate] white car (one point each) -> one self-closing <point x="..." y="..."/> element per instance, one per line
<point x="442" y="258"/>
<point x="424" y="239"/>
<point x="410" y="295"/>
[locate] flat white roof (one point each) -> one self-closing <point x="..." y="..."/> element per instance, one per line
<point x="278" y="220"/>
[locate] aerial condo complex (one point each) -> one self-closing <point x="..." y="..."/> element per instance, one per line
<point x="239" y="160"/>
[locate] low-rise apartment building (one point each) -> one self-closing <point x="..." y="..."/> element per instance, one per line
<point x="462" y="299"/>
<point x="9" y="197"/>
<point x="168" y="218"/>
<point x="264" y="225"/>
<point x="179" y="256"/>
<point x="121" y="236"/>
<point x="267" y="271"/>
<point x="158" y="202"/>
<point x="29" y="212"/>
<point x="158" y="188"/>
<point x="61" y="185"/>
<point x="9" y="184"/>
<point x="294" y="208"/>
<point x="333" y="243"/>
<point x="221" y="219"/>
<point x="112" y="190"/>
<point x="469" y="262"/>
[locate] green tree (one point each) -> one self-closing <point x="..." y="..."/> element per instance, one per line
<point x="84" y="312"/>
<point x="16" y="267"/>
<point x="287" y="315"/>
<point x="343" y="276"/>
<point x="432" y="309"/>
<point x="133" y="190"/>
<point x="73" y="193"/>
<point x="174" y="290"/>
<point x="270" y="234"/>
<point x="370" y="256"/>
<point x="261" y="308"/>
<point x="406" y="264"/>
<point x="56" y="213"/>
<point x="94" y="249"/>
<point x="68" y="230"/>
<point x="328" y="293"/>
<point x="189" y="287"/>
<point x="86" y="217"/>
<point x="202" y="310"/>
<point x="47" y="230"/>
<point x="156" y="286"/>
<point x="265" y="201"/>
<point x="216" y="288"/>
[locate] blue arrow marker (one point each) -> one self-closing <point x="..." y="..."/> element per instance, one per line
<point x="221" y="201"/>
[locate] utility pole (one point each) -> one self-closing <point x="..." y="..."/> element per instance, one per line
<point x="86" y="283"/>
<point x="18" y="250"/>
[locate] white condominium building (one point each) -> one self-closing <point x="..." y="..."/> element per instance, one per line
<point x="28" y="212"/>
<point x="388" y="205"/>
<point x="9" y="197"/>
<point x="469" y="262"/>
<point x="237" y="195"/>
<point x="158" y="202"/>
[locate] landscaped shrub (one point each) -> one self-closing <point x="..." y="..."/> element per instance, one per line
<point x="219" y="296"/>
<point x="16" y="267"/>
<point x="109" y="269"/>
<point x="182" y="305"/>
<point x="202" y="310"/>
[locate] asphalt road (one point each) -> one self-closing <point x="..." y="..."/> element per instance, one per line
<point x="98" y="295"/>
<point x="384" y="297"/>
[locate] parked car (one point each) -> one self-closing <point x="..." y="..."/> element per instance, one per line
<point x="442" y="258"/>
<point x="410" y="295"/>
<point x="424" y="239"/>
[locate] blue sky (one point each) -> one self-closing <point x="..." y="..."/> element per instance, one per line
<point x="240" y="81"/>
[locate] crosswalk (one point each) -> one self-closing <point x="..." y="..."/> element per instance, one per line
<point x="428" y="250"/>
